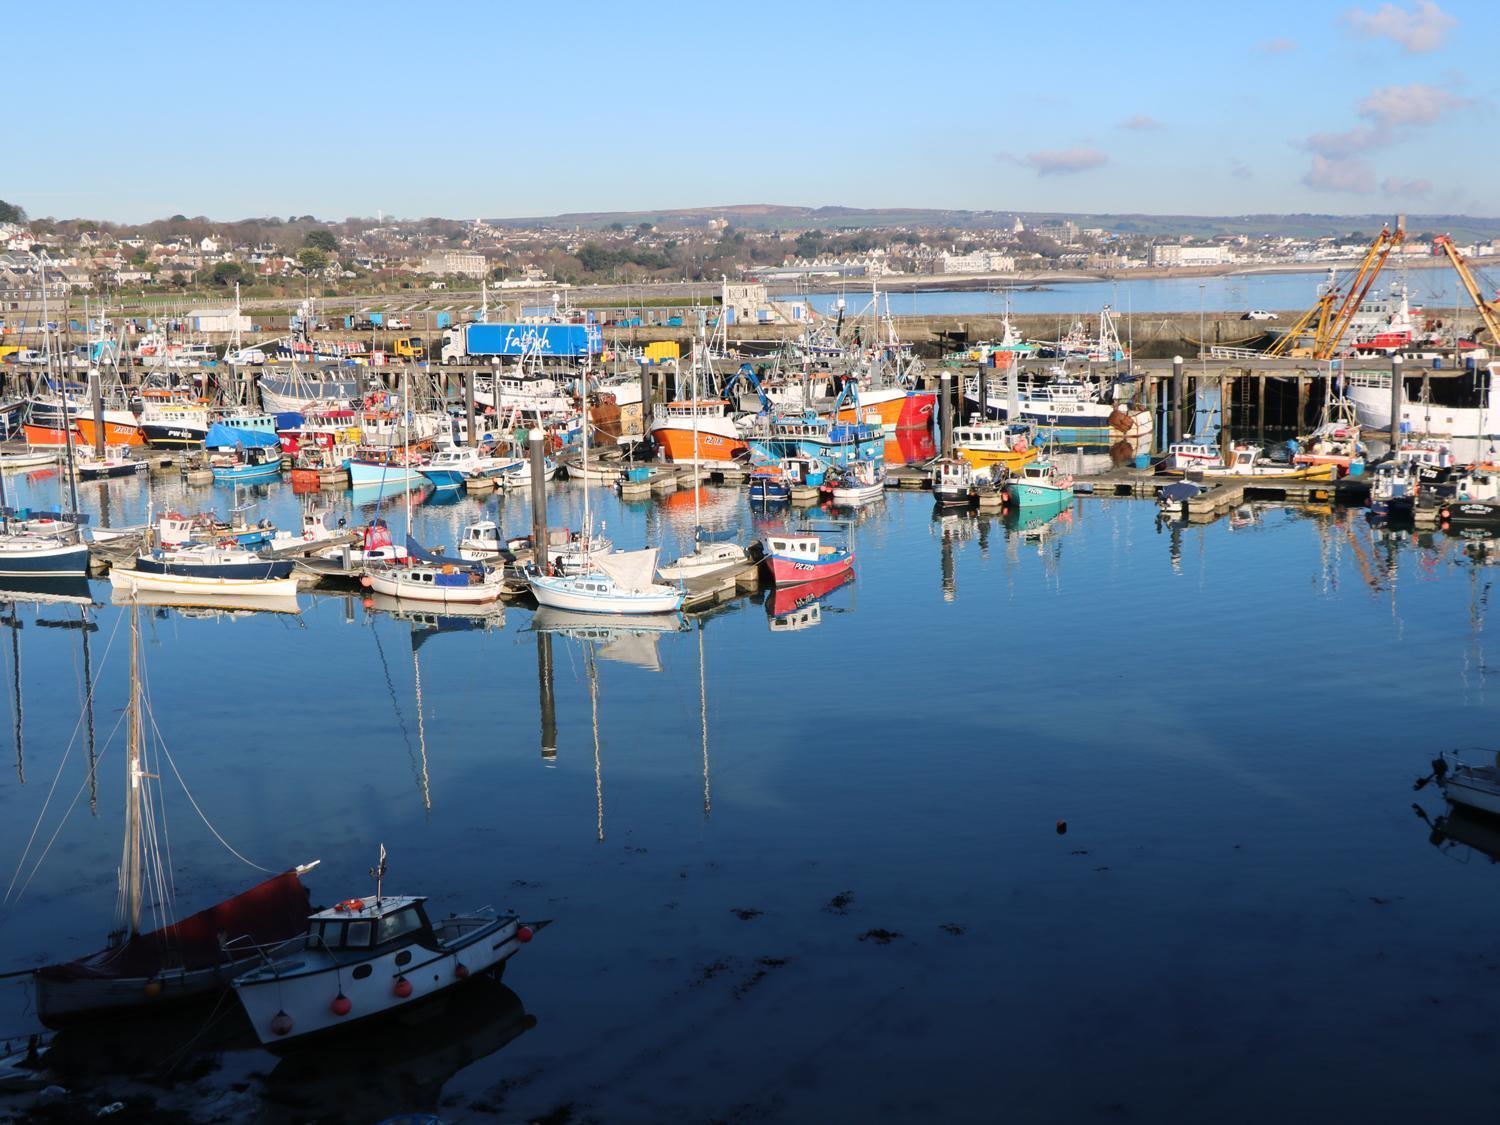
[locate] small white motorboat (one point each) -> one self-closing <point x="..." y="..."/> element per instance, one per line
<point x="615" y="583"/>
<point x="367" y="957"/>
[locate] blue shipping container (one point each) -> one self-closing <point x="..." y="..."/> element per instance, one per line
<point x="444" y="320"/>
<point x="533" y="339"/>
<point x="377" y="319"/>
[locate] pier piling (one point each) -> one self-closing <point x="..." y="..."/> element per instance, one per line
<point x="96" y="393"/>
<point x="1397" y="393"/>
<point x="983" y="389"/>
<point x="539" y="499"/>
<point x="1174" y="414"/>
<point x="468" y="380"/>
<point x="945" y="408"/>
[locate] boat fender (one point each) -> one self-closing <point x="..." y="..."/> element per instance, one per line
<point x="523" y="934"/>
<point x="460" y="970"/>
<point x="341" y="1005"/>
<point x="281" y="1023"/>
<point x="402" y="988"/>
<point x="153" y="989"/>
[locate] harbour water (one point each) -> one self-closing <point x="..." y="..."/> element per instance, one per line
<point x="1434" y="288"/>
<point x="1095" y="819"/>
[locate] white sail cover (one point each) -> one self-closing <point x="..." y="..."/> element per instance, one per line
<point x="631" y="570"/>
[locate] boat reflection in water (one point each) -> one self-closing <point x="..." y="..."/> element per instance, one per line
<point x="622" y="638"/>
<point x="910" y="447"/>
<point x="791" y="608"/>
<point x="43" y="591"/>
<point x="373" y="1073"/>
<point x="1458" y="825"/>
<point x="428" y="622"/>
<point x="206" y="605"/>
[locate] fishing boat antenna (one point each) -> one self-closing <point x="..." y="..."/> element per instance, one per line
<point x="378" y="874"/>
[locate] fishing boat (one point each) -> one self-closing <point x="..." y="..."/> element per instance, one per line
<point x="1172" y="498"/>
<point x="1470" y="497"/>
<point x="243" y="465"/>
<point x="1394" y="487"/>
<point x="171" y="423"/>
<point x="1247" y="462"/>
<point x="484" y="540"/>
<point x="696" y="432"/>
<point x="858" y="482"/>
<point x="296" y="392"/>
<point x="456" y="466"/>
<point x="769" y="485"/>
<point x="368" y="957"/>
<point x="1185" y="456"/>
<point x="794" y="559"/>
<point x="114" y="463"/>
<point x="1066" y="410"/>
<point x="384" y="467"/>
<point x="774" y="437"/>
<point x="42" y="544"/>
<point x="1040" y="484"/>
<point x="955" y="481"/>
<point x="1336" y="439"/>
<point x="984" y="445"/>
<point x="193" y="958"/>
<point x="207" y="568"/>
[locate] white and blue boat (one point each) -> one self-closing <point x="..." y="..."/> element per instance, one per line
<point x="807" y="435"/>
<point x="620" y="582"/>
<point x="206" y="568"/>
<point x="457" y="466"/>
<point x="42" y="545"/>
<point x="242" y="455"/>
<point x="384" y="470"/>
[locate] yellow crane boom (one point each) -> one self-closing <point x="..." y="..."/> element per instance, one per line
<point x="1328" y="325"/>
<point x="1487" y="310"/>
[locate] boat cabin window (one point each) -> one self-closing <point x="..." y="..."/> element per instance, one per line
<point x="395" y="925"/>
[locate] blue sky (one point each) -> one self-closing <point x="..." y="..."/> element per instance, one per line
<point x="460" y="109"/>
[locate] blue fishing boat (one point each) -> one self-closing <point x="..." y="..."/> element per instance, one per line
<point x="242" y="455"/>
<point x="768" y="485"/>
<point x="778" y="437"/>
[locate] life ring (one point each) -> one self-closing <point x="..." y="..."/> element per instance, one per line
<point x="351" y="905"/>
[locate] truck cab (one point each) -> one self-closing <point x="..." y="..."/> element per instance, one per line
<point x="409" y="347"/>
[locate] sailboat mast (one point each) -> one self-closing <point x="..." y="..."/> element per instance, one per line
<point x="130" y="866"/>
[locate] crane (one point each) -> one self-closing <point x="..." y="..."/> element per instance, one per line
<point x="1328" y="324"/>
<point x="1487" y="309"/>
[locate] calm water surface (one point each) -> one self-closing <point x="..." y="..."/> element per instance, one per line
<point x="1433" y="288"/>
<point x="844" y="895"/>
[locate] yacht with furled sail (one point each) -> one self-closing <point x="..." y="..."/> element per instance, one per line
<point x="184" y="959"/>
<point x="606" y="582"/>
<point x="422" y="575"/>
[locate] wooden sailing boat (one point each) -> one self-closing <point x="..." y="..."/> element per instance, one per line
<point x="193" y="958"/>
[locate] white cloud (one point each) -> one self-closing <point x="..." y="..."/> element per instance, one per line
<point x="1278" y="46"/>
<point x="1329" y="173"/>
<point x="1240" y="171"/>
<point x="1065" y="161"/>
<point x="1416" y="104"/>
<point x="1418" y="31"/>
<point x="1140" y="121"/>
<point x="1361" y="138"/>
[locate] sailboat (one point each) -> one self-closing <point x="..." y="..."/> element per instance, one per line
<point x="613" y="582"/>
<point x="193" y="958"/>
<point x="421" y="575"/>
<point x="710" y="554"/>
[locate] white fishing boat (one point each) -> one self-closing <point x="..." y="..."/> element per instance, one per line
<point x="1183" y="456"/>
<point x="457" y="466"/>
<point x="368" y="957"/>
<point x="858" y="482"/>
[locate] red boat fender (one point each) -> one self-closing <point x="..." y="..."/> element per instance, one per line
<point x="341" y="1005"/>
<point x="403" y="987"/>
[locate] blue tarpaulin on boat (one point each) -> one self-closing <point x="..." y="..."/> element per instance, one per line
<point x="416" y="551"/>
<point x="289" y="421"/>
<point x="220" y="435"/>
<point x="1180" y="491"/>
